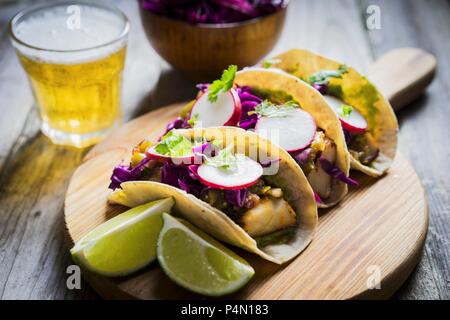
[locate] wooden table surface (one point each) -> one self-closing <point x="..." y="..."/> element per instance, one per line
<point x="34" y="173"/>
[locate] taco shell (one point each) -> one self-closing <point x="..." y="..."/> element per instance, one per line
<point x="357" y="91"/>
<point x="280" y="85"/>
<point x="216" y="223"/>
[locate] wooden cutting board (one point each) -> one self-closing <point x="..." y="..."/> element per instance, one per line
<point x="376" y="233"/>
<point x="378" y="230"/>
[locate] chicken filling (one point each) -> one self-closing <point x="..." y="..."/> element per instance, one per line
<point x="260" y="209"/>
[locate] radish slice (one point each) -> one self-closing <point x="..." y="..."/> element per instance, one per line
<point x="226" y="111"/>
<point x="353" y="122"/>
<point x="187" y="160"/>
<point x="246" y="174"/>
<point x="295" y="132"/>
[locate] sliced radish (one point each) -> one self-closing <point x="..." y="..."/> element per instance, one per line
<point x="246" y="174"/>
<point x="226" y="111"/>
<point x="354" y="122"/>
<point x="295" y="132"/>
<point x="186" y="160"/>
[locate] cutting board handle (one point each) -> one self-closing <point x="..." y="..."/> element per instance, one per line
<point x="402" y="75"/>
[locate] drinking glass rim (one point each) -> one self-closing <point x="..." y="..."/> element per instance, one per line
<point x="32" y="9"/>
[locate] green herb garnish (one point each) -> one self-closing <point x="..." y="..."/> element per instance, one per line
<point x="345" y="110"/>
<point x="223" y="85"/>
<point x="270" y="62"/>
<point x="174" y="145"/>
<point x="225" y="159"/>
<point x="269" y="110"/>
<point x="193" y="120"/>
<point x="217" y="143"/>
<point x="323" y="77"/>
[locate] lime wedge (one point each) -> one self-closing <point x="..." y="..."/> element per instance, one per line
<point x="197" y="262"/>
<point x="124" y="244"/>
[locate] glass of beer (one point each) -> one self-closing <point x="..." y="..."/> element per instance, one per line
<point x="74" y="55"/>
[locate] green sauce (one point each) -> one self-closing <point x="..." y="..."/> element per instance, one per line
<point x="278" y="237"/>
<point x="274" y="96"/>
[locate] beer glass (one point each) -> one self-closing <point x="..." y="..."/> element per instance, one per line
<point x="74" y="55"/>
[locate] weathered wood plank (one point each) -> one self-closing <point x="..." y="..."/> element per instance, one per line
<point x="16" y="99"/>
<point x="424" y="130"/>
<point x="149" y="82"/>
<point x="331" y="28"/>
<point x="34" y="173"/>
<point x="31" y="223"/>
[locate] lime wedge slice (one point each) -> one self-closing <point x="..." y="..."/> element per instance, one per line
<point x="197" y="262"/>
<point x="124" y="244"/>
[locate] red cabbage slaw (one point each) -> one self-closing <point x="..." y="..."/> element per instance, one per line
<point x="248" y="104"/>
<point x="213" y="11"/>
<point x="184" y="177"/>
<point x="249" y="101"/>
<point x="123" y="173"/>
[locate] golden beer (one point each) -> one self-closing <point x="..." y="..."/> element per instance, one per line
<point x="76" y="74"/>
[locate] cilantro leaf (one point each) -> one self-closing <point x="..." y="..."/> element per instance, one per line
<point x="174" y="145"/>
<point x="269" y="110"/>
<point x="217" y="143"/>
<point x="193" y="120"/>
<point x="223" y="85"/>
<point x="270" y="62"/>
<point x="225" y="159"/>
<point x="345" y="110"/>
<point x="323" y="77"/>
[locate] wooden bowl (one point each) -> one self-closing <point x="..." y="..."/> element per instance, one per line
<point x="202" y="51"/>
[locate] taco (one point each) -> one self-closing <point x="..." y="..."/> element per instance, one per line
<point x="232" y="184"/>
<point x="284" y="109"/>
<point x="368" y="120"/>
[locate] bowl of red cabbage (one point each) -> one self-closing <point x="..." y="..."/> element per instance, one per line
<point x="200" y="38"/>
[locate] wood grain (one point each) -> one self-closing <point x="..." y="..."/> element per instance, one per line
<point x="403" y="74"/>
<point x="382" y="224"/>
<point x="424" y="130"/>
<point x="334" y="28"/>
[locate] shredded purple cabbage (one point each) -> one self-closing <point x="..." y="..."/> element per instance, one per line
<point x="269" y="163"/>
<point x="208" y="149"/>
<point x="248" y="104"/>
<point x="302" y="157"/>
<point x="248" y="123"/>
<point x="236" y="197"/>
<point x="182" y="177"/>
<point x="247" y="96"/>
<point x="335" y="172"/>
<point x="186" y="178"/>
<point x="348" y="136"/>
<point x="317" y="198"/>
<point x="126" y="173"/>
<point x="213" y="11"/>
<point x="178" y="123"/>
<point x="193" y="171"/>
<point x="322" y="88"/>
<point x="179" y="176"/>
<point x="203" y="87"/>
<point x="201" y="148"/>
